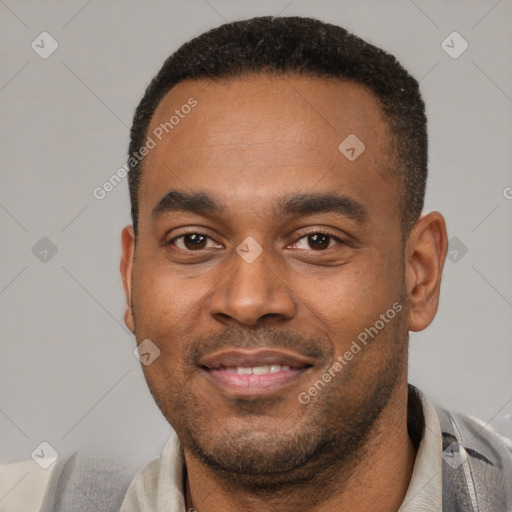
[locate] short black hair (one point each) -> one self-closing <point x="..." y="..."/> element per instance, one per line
<point x="304" y="46"/>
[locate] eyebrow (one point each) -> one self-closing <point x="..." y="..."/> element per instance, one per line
<point x="204" y="204"/>
<point x="195" y="202"/>
<point x="307" y="204"/>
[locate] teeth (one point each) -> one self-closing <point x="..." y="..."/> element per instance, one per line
<point x="258" y="370"/>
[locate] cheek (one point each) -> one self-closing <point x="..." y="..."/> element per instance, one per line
<point x="355" y="296"/>
<point x="167" y="310"/>
<point x="166" y="384"/>
<point x="162" y="301"/>
<point x="350" y="304"/>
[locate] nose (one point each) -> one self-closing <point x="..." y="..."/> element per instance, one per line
<point x="252" y="293"/>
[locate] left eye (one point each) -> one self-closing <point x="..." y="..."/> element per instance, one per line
<point x="192" y="241"/>
<point x="317" y="241"/>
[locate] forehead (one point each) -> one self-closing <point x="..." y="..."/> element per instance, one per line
<point x="262" y="135"/>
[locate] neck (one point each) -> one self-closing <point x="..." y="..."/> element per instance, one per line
<point x="376" y="481"/>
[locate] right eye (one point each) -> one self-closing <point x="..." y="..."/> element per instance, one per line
<point x="192" y="241"/>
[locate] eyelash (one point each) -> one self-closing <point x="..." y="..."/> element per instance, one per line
<point x="326" y="232"/>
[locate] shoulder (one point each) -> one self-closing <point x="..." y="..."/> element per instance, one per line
<point x="477" y="463"/>
<point x="24" y="486"/>
<point x="72" y="484"/>
<point x="475" y="435"/>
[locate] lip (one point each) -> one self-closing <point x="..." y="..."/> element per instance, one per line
<point x="215" y="367"/>
<point x="250" y="358"/>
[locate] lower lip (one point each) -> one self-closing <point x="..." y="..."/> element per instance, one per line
<point x="252" y="384"/>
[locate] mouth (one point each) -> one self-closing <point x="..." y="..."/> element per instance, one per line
<point x="254" y="372"/>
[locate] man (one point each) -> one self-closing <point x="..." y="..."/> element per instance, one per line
<point x="276" y="263"/>
<point x="278" y="259"/>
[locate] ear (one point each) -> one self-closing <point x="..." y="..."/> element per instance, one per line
<point x="425" y="254"/>
<point x="126" y="267"/>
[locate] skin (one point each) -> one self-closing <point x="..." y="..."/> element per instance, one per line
<point x="247" y="143"/>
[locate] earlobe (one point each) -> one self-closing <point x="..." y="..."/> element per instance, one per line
<point x="126" y="268"/>
<point x="426" y="250"/>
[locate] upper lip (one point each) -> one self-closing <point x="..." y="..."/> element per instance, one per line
<point x="251" y="358"/>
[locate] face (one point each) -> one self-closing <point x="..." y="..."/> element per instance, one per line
<point x="264" y="255"/>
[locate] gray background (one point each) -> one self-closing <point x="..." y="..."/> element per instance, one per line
<point x="67" y="372"/>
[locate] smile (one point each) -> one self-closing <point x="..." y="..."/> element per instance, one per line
<point x="253" y="373"/>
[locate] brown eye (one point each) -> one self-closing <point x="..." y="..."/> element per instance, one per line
<point x="319" y="241"/>
<point x="194" y="241"/>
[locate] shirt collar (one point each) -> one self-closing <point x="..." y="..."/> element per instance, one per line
<point x="426" y="486"/>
